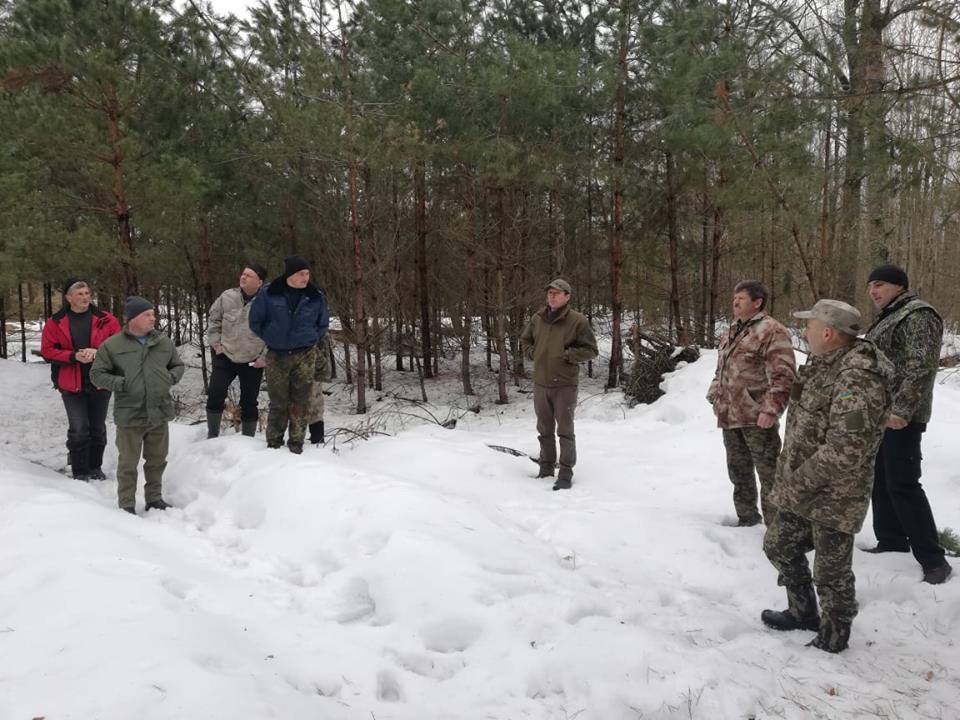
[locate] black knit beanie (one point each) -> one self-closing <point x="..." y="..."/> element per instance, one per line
<point x="70" y="282"/>
<point x="294" y="264"/>
<point x="260" y="270"/>
<point x="889" y="274"/>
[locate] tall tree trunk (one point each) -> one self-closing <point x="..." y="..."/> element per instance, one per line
<point x="359" y="311"/>
<point x="23" y="324"/>
<point x="420" y="192"/>
<point x="616" y="236"/>
<point x="4" y="350"/>
<point x="673" y="233"/>
<point x="503" y="399"/>
<point x="121" y="208"/>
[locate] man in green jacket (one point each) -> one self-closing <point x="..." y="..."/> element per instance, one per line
<point x="557" y="339"/>
<point x="140" y="366"/>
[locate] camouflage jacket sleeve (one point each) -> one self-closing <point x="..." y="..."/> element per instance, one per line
<point x="858" y="406"/>
<point x="527" y="340"/>
<point x="780" y="363"/>
<point x="584" y="347"/>
<point x="918" y="339"/>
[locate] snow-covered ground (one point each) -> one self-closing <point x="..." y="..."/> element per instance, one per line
<point x="421" y="575"/>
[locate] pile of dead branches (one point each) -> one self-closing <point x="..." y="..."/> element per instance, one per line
<point x="653" y="358"/>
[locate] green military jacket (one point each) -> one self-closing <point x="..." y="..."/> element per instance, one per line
<point x="838" y="409"/>
<point x="909" y="332"/>
<point x="557" y="343"/>
<point x="140" y="377"/>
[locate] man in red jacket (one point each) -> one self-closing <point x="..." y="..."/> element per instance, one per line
<point x="69" y="342"/>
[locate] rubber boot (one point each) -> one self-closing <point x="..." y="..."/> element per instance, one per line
<point x="248" y="427"/>
<point x="316" y="432"/>
<point x="213" y="424"/>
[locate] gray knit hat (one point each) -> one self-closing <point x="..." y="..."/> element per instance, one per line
<point x="136" y="305"/>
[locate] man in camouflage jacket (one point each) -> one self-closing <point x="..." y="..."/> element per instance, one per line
<point x="821" y="493"/>
<point x="755" y="369"/>
<point x="557" y="339"/>
<point x="909" y="332"/>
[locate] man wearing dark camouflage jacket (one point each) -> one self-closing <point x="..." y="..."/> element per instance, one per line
<point x="909" y="332"/>
<point x="838" y="407"/>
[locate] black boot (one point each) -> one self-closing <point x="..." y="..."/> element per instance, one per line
<point x="156" y="505"/>
<point x="833" y="636"/>
<point x="96" y="463"/>
<point x="213" y="424"/>
<point x="248" y="427"/>
<point x="317" y="433"/>
<point x="785" y="620"/>
<point x="80" y="465"/>
<point x="801" y="613"/>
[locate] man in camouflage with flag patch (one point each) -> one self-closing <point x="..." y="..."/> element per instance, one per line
<point x="821" y="493"/>
<point x="750" y="390"/>
<point x="909" y="332"/>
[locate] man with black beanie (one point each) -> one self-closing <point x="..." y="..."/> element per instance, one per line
<point x="69" y="343"/>
<point x="237" y="351"/>
<point x="290" y="315"/>
<point x="909" y="332"/>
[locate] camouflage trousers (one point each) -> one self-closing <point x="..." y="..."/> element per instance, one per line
<point x="749" y="449"/>
<point x="788" y="539"/>
<point x="316" y="402"/>
<point x="290" y="387"/>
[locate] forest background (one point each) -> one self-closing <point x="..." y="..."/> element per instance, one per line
<point x="440" y="160"/>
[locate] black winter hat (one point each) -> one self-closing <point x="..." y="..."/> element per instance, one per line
<point x="890" y="274"/>
<point x="136" y="305"/>
<point x="70" y="282"/>
<point x="260" y="270"/>
<point x="294" y="264"/>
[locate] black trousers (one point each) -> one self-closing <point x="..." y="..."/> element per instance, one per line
<point x="902" y="518"/>
<point x="87" y="429"/>
<point x="224" y="372"/>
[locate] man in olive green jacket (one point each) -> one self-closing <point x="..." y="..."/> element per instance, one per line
<point x="557" y="339"/>
<point x="140" y="365"/>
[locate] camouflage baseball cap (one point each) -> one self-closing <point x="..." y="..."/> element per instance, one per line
<point x="559" y="284"/>
<point x="836" y="313"/>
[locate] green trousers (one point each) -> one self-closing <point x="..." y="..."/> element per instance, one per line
<point x="152" y="442"/>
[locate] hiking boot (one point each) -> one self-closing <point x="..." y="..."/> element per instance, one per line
<point x="545" y="471"/>
<point x="274" y="444"/>
<point x="97" y="474"/>
<point x="316" y="433"/>
<point x="882" y="548"/>
<point x="213" y="424"/>
<point x="749" y="522"/>
<point x="248" y="427"/>
<point x="563" y="484"/>
<point x="832" y="637"/>
<point x="785" y="620"/>
<point x="296" y="448"/>
<point x="130" y="510"/>
<point x="938" y="575"/>
<point x="156" y="505"/>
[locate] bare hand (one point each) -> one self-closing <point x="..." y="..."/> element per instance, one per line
<point x="766" y="420"/>
<point x="218" y="349"/>
<point x="86" y="355"/>
<point x="259" y="363"/>
<point x="895" y="422"/>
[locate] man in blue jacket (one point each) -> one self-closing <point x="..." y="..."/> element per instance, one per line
<point x="290" y="315"/>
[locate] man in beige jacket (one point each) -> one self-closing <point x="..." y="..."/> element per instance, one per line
<point x="237" y="352"/>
